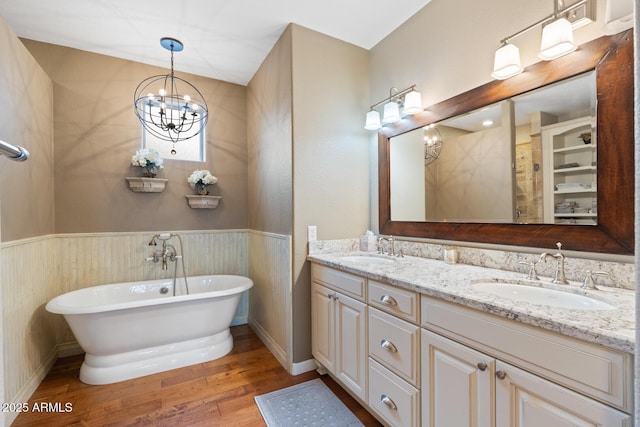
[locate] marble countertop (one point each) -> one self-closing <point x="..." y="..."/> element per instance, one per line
<point x="611" y="328"/>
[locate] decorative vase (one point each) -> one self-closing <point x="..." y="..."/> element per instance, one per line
<point x="201" y="189"/>
<point x="149" y="172"/>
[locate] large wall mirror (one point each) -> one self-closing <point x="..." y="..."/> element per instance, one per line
<point x="545" y="156"/>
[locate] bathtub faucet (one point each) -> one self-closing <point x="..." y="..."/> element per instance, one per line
<point x="169" y="253"/>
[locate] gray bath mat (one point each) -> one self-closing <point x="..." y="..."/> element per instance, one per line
<point x="307" y="404"/>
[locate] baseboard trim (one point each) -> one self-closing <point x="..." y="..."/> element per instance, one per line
<point x="32" y="384"/>
<point x="273" y="347"/>
<point x="302" y="367"/>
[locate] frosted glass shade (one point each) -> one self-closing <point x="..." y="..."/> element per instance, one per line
<point x="618" y="16"/>
<point x="373" y="121"/>
<point x="391" y="112"/>
<point x="506" y="62"/>
<point x="412" y="103"/>
<point x="557" y="40"/>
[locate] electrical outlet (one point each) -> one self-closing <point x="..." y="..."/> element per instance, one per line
<point x="312" y="233"/>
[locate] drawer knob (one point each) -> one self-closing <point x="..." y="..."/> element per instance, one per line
<point x="482" y="366"/>
<point x="387" y="300"/>
<point x="387" y="401"/>
<point x="501" y="375"/>
<point x="388" y="345"/>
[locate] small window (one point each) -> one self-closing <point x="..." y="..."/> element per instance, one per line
<point x="192" y="149"/>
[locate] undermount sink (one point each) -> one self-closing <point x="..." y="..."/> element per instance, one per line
<point x="367" y="259"/>
<point x="542" y="296"/>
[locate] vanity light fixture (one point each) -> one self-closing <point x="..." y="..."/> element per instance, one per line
<point x="373" y="120"/>
<point x="399" y="103"/>
<point x="557" y="37"/>
<point x="165" y="111"/>
<point x="557" y="40"/>
<point x="391" y="112"/>
<point x="506" y="62"/>
<point x="618" y="16"/>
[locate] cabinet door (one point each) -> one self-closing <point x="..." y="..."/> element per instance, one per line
<point x="323" y="325"/>
<point x="526" y="400"/>
<point x="351" y="351"/>
<point x="457" y="384"/>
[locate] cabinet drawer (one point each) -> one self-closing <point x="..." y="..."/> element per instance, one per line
<point x="393" y="399"/>
<point x="603" y="374"/>
<point x="348" y="283"/>
<point x="396" y="344"/>
<point x="394" y="300"/>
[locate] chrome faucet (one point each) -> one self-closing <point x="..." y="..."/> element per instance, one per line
<point x="169" y="253"/>
<point x="559" y="276"/>
<point x="588" y="282"/>
<point x="531" y="273"/>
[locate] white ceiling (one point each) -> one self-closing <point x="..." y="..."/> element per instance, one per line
<point x="223" y="39"/>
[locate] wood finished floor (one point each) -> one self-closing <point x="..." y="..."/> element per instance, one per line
<point x="216" y="393"/>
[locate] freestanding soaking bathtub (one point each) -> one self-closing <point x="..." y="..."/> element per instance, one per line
<point x="129" y="330"/>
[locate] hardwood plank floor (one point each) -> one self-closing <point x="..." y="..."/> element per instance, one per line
<point x="216" y="393"/>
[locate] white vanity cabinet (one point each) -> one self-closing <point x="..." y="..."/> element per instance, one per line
<point x="526" y="400"/>
<point x="478" y="369"/>
<point x="416" y="360"/>
<point x="338" y="319"/>
<point x="394" y="354"/>
<point x="457" y="384"/>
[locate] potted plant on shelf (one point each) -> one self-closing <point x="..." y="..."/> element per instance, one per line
<point x="199" y="180"/>
<point x="149" y="160"/>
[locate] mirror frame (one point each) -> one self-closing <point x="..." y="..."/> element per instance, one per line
<point x="612" y="58"/>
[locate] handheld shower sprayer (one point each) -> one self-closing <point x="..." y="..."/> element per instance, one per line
<point x="161" y="236"/>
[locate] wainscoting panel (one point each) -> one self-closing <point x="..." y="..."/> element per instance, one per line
<point x="29" y="271"/>
<point x="270" y="302"/>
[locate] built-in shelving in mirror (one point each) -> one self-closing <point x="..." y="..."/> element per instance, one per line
<point x="576" y="184"/>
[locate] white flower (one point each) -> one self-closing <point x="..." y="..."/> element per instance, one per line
<point x="147" y="158"/>
<point x="202" y="177"/>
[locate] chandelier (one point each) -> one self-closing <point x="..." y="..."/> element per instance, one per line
<point x="432" y="144"/>
<point x="170" y="108"/>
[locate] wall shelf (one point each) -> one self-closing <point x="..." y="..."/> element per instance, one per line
<point x="203" y="202"/>
<point x="571" y="181"/>
<point x="141" y="184"/>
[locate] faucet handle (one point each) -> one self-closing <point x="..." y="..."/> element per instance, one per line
<point x="588" y="283"/>
<point x="531" y="274"/>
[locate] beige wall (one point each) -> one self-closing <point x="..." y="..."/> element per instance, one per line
<point x="269" y="140"/>
<point x="97" y="132"/>
<point x="269" y="136"/>
<point x="308" y="164"/>
<point x="26" y="119"/>
<point x="330" y="156"/>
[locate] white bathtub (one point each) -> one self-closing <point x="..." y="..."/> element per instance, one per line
<point x="129" y="330"/>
